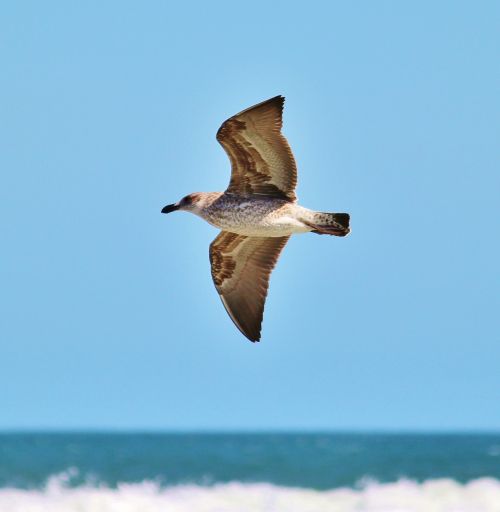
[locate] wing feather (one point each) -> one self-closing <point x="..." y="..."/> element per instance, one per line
<point x="261" y="159"/>
<point x="241" y="268"/>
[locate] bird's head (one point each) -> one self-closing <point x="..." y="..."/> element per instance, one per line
<point x="190" y="203"/>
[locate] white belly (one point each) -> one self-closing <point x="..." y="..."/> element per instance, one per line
<point x="274" y="227"/>
<point x="258" y="217"/>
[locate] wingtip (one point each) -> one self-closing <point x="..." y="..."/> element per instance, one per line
<point x="250" y="333"/>
<point x="280" y="98"/>
<point x="253" y="337"/>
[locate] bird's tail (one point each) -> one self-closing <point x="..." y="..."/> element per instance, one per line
<point x="330" y="224"/>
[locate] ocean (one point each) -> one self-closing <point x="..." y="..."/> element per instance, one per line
<point x="271" y="472"/>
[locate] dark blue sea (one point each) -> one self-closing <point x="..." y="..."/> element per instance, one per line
<point x="341" y="472"/>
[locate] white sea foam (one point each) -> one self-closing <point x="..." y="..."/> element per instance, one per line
<point x="443" y="495"/>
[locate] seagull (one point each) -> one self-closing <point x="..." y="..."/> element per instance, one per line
<point x="256" y="214"/>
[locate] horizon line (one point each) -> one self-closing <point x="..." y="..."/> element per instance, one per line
<point x="247" y="431"/>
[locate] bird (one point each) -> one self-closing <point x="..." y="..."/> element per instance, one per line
<point x="256" y="214"/>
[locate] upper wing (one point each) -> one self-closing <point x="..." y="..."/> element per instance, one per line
<point x="261" y="159"/>
<point x="241" y="267"/>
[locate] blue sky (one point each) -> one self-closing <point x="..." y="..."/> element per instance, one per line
<point x="109" y="317"/>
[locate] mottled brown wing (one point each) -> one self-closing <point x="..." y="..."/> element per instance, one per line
<point x="261" y="159"/>
<point x="241" y="267"/>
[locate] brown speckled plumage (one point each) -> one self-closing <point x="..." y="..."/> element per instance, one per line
<point x="257" y="213"/>
<point x="241" y="267"/>
<point x="261" y="159"/>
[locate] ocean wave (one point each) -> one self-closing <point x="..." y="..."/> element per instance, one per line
<point x="439" y="495"/>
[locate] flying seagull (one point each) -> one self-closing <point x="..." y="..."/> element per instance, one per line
<point x="257" y="213"/>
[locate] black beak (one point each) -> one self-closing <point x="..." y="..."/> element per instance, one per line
<point x="170" y="208"/>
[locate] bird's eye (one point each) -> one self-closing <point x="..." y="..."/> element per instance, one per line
<point x="187" y="200"/>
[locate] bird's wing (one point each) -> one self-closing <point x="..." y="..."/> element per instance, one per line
<point x="261" y="159"/>
<point x="241" y="267"/>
